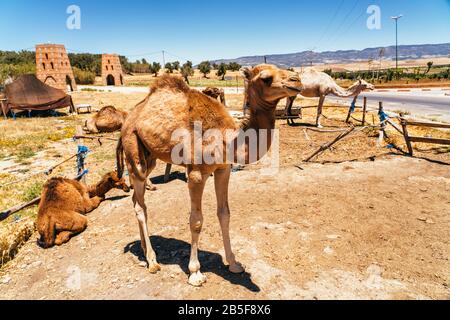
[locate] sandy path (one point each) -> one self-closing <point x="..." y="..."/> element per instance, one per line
<point x="381" y="230"/>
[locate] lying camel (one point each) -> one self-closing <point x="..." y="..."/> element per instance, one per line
<point x="108" y="119"/>
<point x="319" y="85"/>
<point x="215" y="93"/>
<point x="172" y="106"/>
<point x="64" y="203"/>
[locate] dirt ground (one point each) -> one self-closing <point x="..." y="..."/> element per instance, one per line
<point x="361" y="222"/>
<point x="362" y="230"/>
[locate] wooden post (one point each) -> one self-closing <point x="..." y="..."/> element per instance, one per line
<point x="167" y="174"/>
<point x="364" y="111"/>
<point x="404" y="124"/>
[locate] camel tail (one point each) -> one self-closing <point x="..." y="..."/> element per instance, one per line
<point x="120" y="159"/>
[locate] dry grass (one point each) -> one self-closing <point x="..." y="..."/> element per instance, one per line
<point x="13" y="236"/>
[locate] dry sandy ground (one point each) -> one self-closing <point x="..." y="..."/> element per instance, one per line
<point x="356" y="230"/>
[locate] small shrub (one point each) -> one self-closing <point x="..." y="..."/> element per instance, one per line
<point x="33" y="191"/>
<point x="25" y="153"/>
<point x="83" y="77"/>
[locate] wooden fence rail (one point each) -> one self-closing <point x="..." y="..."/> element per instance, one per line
<point x="408" y="139"/>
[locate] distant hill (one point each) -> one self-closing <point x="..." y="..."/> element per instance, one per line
<point x="406" y="52"/>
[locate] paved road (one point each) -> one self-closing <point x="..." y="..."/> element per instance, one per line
<point x="433" y="104"/>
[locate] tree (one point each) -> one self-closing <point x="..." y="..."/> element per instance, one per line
<point x="169" y="67"/>
<point x="155" y="68"/>
<point x="429" y="65"/>
<point x="187" y="71"/>
<point x="176" y="65"/>
<point x="205" y="68"/>
<point x="222" y="71"/>
<point x="233" y="66"/>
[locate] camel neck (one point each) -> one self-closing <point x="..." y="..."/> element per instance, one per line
<point x="99" y="190"/>
<point x="262" y="115"/>
<point x="260" y="125"/>
<point x="350" y="92"/>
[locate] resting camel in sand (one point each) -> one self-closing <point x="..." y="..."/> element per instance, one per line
<point x="319" y="84"/>
<point x="64" y="203"/>
<point x="172" y="105"/>
<point x="108" y="119"/>
<point x="215" y="93"/>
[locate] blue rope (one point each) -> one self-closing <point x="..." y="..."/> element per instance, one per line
<point x="82" y="174"/>
<point x="383" y="116"/>
<point x="81" y="156"/>
<point x="353" y="107"/>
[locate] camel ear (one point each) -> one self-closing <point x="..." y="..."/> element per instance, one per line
<point x="246" y="73"/>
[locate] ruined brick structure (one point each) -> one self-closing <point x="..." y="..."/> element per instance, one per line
<point x="112" y="74"/>
<point x="53" y="67"/>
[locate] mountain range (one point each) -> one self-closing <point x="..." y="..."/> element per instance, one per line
<point x="405" y="52"/>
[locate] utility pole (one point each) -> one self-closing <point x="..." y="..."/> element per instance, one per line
<point x="164" y="59"/>
<point x="265" y="59"/>
<point x="396" y="18"/>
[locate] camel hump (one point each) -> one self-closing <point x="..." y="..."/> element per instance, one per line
<point x="170" y="82"/>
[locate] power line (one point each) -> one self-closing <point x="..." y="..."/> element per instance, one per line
<point x="343" y="21"/>
<point x="330" y="23"/>
<point x="348" y="28"/>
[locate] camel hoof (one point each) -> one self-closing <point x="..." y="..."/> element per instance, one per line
<point x="197" y="279"/>
<point x="151" y="188"/>
<point x="154" y="267"/>
<point x="236" y="268"/>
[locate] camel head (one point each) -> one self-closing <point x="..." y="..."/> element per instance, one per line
<point x="112" y="181"/>
<point x="364" y="85"/>
<point x="267" y="84"/>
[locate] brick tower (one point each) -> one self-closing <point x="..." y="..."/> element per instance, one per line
<point x="112" y="74"/>
<point x="53" y="67"/>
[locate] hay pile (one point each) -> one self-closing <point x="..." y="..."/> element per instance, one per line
<point x="12" y="237"/>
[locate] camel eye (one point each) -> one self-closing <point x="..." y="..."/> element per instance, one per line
<point x="294" y="79"/>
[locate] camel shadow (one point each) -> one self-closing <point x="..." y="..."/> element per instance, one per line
<point x="177" y="175"/>
<point x="176" y="252"/>
<point x="117" y="198"/>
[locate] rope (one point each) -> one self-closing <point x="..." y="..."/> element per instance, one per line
<point x="46" y="172"/>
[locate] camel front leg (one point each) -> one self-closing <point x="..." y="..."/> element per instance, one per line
<point x="320" y="111"/>
<point x="196" y="187"/>
<point x="141" y="214"/>
<point x="221" y="181"/>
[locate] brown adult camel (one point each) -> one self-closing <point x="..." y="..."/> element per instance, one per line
<point x="64" y="203"/>
<point x="108" y="119"/>
<point x="319" y="84"/>
<point x="172" y="105"/>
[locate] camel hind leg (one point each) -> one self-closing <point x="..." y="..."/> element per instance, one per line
<point x="140" y="164"/>
<point x="68" y="225"/>
<point x="320" y="111"/>
<point x="140" y="209"/>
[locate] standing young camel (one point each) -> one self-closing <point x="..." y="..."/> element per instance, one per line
<point x="319" y="84"/>
<point x="172" y="105"/>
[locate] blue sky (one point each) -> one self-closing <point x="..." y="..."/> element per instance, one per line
<point x="201" y="29"/>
